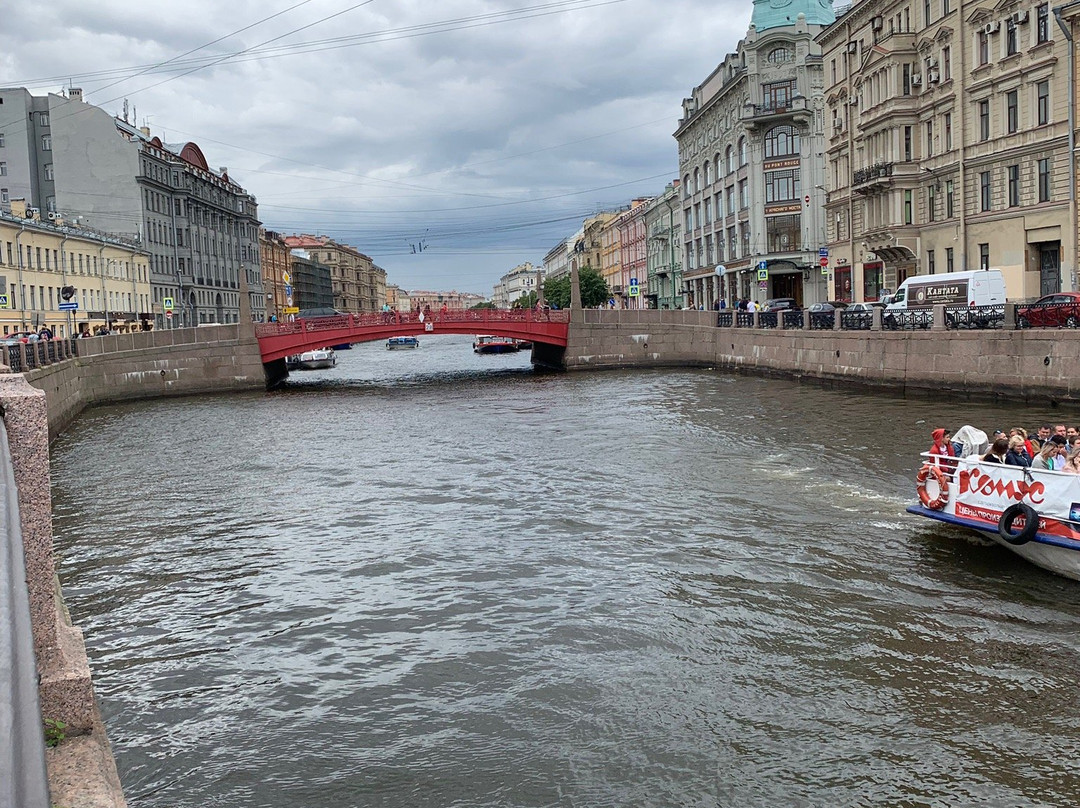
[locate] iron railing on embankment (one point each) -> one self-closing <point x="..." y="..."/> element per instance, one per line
<point x="1006" y="317"/>
<point x="22" y="356"/>
<point x="23" y="781"/>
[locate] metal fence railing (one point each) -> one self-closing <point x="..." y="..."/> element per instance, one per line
<point x="822" y="320"/>
<point x="856" y="320"/>
<point x="725" y="319"/>
<point x="767" y="319"/>
<point x="744" y="319"/>
<point x="975" y="317"/>
<point x="906" y="320"/>
<point x="792" y="319"/>
<point x="23" y="781"/>
<point x="1048" y="315"/>
<point x="22" y="356"/>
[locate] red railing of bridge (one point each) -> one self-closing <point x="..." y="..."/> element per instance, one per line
<point x="277" y="340"/>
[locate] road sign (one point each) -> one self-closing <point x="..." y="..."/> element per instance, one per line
<point x="763" y="285"/>
<point x="824" y="270"/>
<point x="4" y="302"/>
<point x="286" y="277"/>
<point x="633" y="282"/>
<point x="288" y="301"/>
<point x="824" y="260"/>
<point x="635" y="290"/>
<point x="168" y="315"/>
<point x="72" y="306"/>
<point x="763" y="275"/>
<point x="167" y="304"/>
<point x="763" y="265"/>
<point x="823" y="252"/>
<point x="288" y="289"/>
<point x="291" y="310"/>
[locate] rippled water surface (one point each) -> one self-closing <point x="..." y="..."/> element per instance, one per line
<point x="431" y="578"/>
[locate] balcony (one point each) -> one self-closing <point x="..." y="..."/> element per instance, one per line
<point x="872" y="179"/>
<point x="761" y="115"/>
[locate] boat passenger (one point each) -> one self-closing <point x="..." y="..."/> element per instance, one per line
<point x="1017" y="454"/>
<point x="1028" y="445"/>
<point x="998" y="451"/>
<point x="942" y="449"/>
<point x="1043" y="435"/>
<point x="1072" y="463"/>
<point x="1050" y="449"/>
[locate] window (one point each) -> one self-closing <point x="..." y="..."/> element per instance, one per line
<point x="1044" y="180"/>
<point x="4" y="195"/>
<point x="984" y="256"/>
<point x="948" y="131"/>
<point x="1042" y="25"/>
<point x="3" y="169"/>
<point x="686" y="187"/>
<point x="1012" y="111"/>
<point x="1042" y="103"/>
<point x="46" y="142"/>
<point x="948" y="259"/>
<point x="907" y="207"/>
<point x="742" y="151"/>
<point x="945" y="9"/>
<point x="781" y="186"/>
<point x="744" y="199"/>
<point x="984" y="120"/>
<point x="984" y="48"/>
<point x="49" y="172"/>
<point x="907" y="144"/>
<point x="1" y="140"/>
<point x="781" y="141"/>
<point x="929" y="138"/>
<point x="926" y="12"/>
<point x="708" y="210"/>
<point x="946" y="64"/>
<point x="931" y="203"/>
<point x="730" y="159"/>
<point x="781" y="54"/>
<point x="696" y="187"/>
<point x="950" y="200"/>
<point x="930" y="269"/>
<point x="906" y="87"/>
<point x="43" y="119"/>
<point x="984" y="190"/>
<point x="1014" y="185"/>
<point x="706" y="175"/>
<point x="731" y="199"/>
<point x="783" y="233"/>
<point x="778" y="94"/>
<point x="1010" y="36"/>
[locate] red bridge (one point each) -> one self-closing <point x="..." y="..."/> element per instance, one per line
<point x="278" y="340"/>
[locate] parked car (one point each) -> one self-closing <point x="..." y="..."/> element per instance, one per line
<point x="781" y="304"/>
<point x="832" y="305"/>
<point x="866" y="307"/>
<point x="1061" y="310"/>
<point x="15" y="337"/>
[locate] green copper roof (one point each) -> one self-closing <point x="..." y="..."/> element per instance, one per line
<point x="781" y="13"/>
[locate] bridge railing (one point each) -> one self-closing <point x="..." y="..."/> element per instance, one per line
<point x="390" y="318"/>
<point x="23" y="356"/>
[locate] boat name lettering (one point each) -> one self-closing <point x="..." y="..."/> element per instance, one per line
<point x="982" y="483"/>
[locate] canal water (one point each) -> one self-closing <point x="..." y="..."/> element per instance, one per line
<point x="431" y="578"/>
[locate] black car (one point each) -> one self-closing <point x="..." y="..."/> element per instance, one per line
<point x="781" y="304"/>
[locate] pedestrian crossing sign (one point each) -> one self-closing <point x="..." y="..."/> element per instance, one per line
<point x="4" y="302"/>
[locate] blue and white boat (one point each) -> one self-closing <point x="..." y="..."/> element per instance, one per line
<point x="402" y="343"/>
<point x="1032" y="512"/>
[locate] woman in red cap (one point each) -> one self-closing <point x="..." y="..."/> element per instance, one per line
<point x="942" y="448"/>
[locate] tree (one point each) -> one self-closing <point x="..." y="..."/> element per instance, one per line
<point x="485" y="305"/>
<point x="526" y="301"/>
<point x="594" y="289"/>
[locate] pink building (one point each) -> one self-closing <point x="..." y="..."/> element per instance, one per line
<point x="633" y="255"/>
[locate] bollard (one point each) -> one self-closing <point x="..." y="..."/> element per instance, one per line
<point x="1009" y="323"/>
<point x="939" y="318"/>
<point x="875" y="319"/>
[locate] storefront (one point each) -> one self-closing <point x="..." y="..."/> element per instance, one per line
<point x="842" y="284"/>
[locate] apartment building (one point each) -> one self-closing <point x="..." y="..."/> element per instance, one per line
<point x="519" y="281"/>
<point x="664" y="285"/>
<point x="751" y="148"/>
<point x="948" y="145"/>
<point x="630" y="285"/>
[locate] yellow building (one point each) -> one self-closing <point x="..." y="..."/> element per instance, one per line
<point x="46" y="264"/>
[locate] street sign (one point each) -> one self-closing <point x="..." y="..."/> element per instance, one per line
<point x="824" y="270"/>
<point x="286" y="277"/>
<point x="288" y="301"/>
<point x="763" y="285"/>
<point x="763" y="265"/>
<point x="635" y="290"/>
<point x="72" y="306"/>
<point x="167" y="304"/>
<point x="291" y="310"/>
<point x="4" y="302"/>
<point x="763" y="275"/>
<point x="168" y="315"/>
<point x="288" y="289"/>
<point x="823" y="252"/>
<point x="824" y="260"/>
<point x="633" y="282"/>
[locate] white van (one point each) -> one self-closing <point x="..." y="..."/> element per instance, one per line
<point x="983" y="287"/>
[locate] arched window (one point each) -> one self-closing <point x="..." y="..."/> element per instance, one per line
<point x="719" y="167"/>
<point x="686" y="187"/>
<point x="781" y="141"/>
<point x="697" y="180"/>
<point x="742" y="151"/>
<point x="781" y="54"/>
<point x="706" y="174"/>
<point x="730" y="159"/>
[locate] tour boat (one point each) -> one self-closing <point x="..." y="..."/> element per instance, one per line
<point x="400" y="343"/>
<point x="312" y="360"/>
<point x="1034" y="513"/>
<point x="486" y="343"/>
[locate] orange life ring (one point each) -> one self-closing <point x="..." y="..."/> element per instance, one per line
<point x="942" y="498"/>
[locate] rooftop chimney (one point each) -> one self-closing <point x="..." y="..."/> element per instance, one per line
<point x="75" y="93"/>
<point x="145" y="130"/>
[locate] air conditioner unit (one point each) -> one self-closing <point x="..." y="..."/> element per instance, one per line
<point x="1020" y="17"/>
<point x="877" y="23"/>
<point x="991" y="28"/>
<point x="932" y="77"/>
<point x="33" y="213"/>
<point x="916" y="80"/>
<point x="931" y="62"/>
<point x="854" y="101"/>
<point x="53" y="216"/>
<point x="853" y="47"/>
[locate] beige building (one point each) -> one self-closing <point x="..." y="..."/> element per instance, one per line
<point x="519" y="281"/>
<point x="359" y="285"/>
<point x="947" y="145"/>
<point x="276" y="263"/>
<point x="106" y="276"/>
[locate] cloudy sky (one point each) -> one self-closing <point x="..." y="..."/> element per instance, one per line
<point x="449" y="140"/>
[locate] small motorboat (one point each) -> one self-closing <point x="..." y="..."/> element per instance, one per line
<point x="319" y="359"/>
<point x="487" y="343"/>
<point x="402" y="343"/>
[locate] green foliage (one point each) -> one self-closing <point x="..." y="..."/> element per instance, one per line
<point x="594" y="289"/>
<point x="485" y="305"/>
<point x="54" y="732"/>
<point x="526" y="301"/>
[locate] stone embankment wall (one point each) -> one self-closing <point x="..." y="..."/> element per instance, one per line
<point x="152" y="364"/>
<point x="1032" y="365"/>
